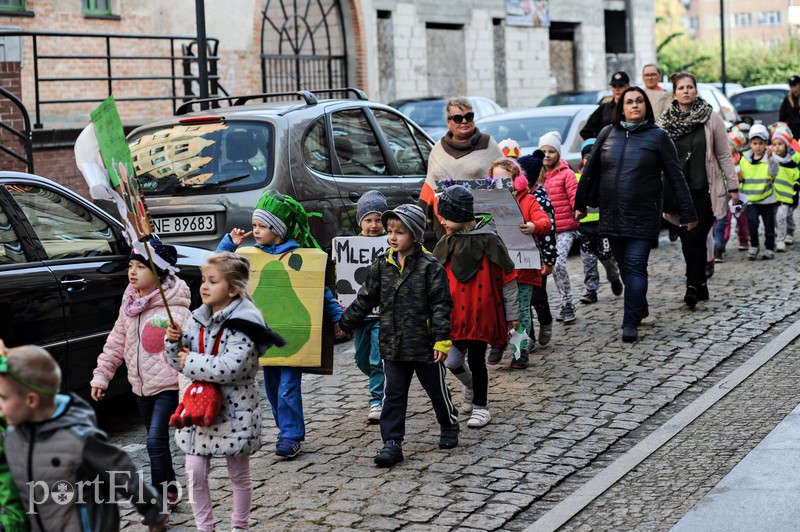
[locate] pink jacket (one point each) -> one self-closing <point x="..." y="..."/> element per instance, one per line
<point x="138" y="343"/>
<point x="560" y="184"/>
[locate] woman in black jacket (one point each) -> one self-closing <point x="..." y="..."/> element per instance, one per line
<point x="623" y="177"/>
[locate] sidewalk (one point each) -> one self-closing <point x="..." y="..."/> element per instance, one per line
<point x="760" y="493"/>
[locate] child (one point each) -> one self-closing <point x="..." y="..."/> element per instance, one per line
<point x="537" y="224"/>
<point x="758" y="175"/>
<point x="138" y="342"/>
<point x="483" y="287"/>
<point x="560" y="184"/>
<point x="722" y="227"/>
<point x="411" y="288"/>
<point x="53" y="442"/>
<point x="595" y="246"/>
<point x="222" y="343"/>
<point x="532" y="166"/>
<point x="280" y="225"/>
<point x="785" y="183"/>
<point x="369" y="209"/>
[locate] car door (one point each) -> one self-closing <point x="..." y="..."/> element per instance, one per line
<point x="87" y="256"/>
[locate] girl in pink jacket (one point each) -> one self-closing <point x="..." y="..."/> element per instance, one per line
<point x="137" y="340"/>
<point x="560" y="184"/>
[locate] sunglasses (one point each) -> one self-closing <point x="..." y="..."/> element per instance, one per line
<point x="461" y="118"/>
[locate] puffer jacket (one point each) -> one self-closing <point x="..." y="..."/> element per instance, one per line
<point x="547" y="243"/>
<point x="415" y="305"/>
<point x="561" y="184"/>
<point x="623" y="178"/>
<point x="245" y="337"/>
<point x="533" y="212"/>
<point x="69" y="448"/>
<point x="138" y="343"/>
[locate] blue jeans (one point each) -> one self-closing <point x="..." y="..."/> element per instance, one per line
<point x="155" y="411"/>
<point x="632" y="255"/>
<point x="368" y="358"/>
<point x="285" y="398"/>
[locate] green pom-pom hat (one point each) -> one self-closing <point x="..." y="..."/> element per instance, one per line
<point x="285" y="217"/>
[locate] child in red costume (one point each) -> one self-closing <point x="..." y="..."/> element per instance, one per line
<point x="483" y="287"/>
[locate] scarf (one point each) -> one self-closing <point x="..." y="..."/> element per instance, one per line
<point x="459" y="148"/>
<point x="628" y="126"/>
<point x="679" y="123"/>
<point x="133" y="304"/>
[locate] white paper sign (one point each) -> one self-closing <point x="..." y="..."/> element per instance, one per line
<point x="507" y="218"/>
<point x="353" y="256"/>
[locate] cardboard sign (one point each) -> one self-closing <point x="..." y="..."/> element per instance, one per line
<point x="352" y="256"/>
<point x="289" y="290"/>
<point x="507" y="218"/>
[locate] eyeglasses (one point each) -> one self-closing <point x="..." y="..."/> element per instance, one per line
<point x="461" y="118"/>
<point x="637" y="101"/>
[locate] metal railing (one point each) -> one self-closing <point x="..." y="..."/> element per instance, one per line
<point x="179" y="72"/>
<point x="23" y="136"/>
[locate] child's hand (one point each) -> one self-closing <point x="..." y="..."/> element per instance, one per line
<point x="513" y="324"/>
<point x="338" y="333"/>
<point x="98" y="394"/>
<point x="182" y="356"/>
<point x="238" y="235"/>
<point x="527" y="228"/>
<point x="173" y="332"/>
<point x="547" y="269"/>
<point x="439" y="357"/>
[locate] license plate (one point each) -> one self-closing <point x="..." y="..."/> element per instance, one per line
<point x="185" y="225"/>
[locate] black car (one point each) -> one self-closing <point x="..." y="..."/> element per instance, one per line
<point x="63" y="269"/>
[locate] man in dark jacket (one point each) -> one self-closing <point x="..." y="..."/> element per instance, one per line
<point x="601" y="117"/>
<point x="790" y="108"/>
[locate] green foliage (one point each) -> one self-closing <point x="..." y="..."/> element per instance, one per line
<point x="747" y="63"/>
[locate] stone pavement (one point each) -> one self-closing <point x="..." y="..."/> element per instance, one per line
<point x="585" y="398"/>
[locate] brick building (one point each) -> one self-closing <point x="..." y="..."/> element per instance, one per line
<point x="388" y="48"/>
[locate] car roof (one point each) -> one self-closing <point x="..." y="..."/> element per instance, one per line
<point x="774" y="86"/>
<point x="554" y="110"/>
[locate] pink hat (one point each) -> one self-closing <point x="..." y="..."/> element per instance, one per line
<point x="783" y="135"/>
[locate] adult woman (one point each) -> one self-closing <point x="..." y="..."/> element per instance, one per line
<point x="702" y="143"/>
<point x="623" y="179"/>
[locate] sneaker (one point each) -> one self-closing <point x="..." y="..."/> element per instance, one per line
<point x="390" y="455"/>
<point x="172" y="500"/>
<point x="629" y="334"/>
<point x="743" y="247"/>
<point x="374" y="413"/>
<point x="560" y="316"/>
<point x="780" y="246"/>
<point x="768" y="255"/>
<point x="617" y="287"/>
<point x="752" y="253"/>
<point x="495" y="356"/>
<point x="589" y="298"/>
<point x="287" y="448"/>
<point x="467" y="395"/>
<point x="520" y="363"/>
<point x="789" y="240"/>
<point x="718" y="255"/>
<point x="480" y="418"/>
<point x="449" y="437"/>
<point x="545" y="333"/>
<point x="569" y="314"/>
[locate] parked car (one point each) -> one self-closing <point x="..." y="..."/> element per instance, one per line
<point x="576" y="98"/>
<point x="63" y="269"/>
<point x="526" y="126"/>
<point x="429" y="112"/>
<point x="202" y="173"/>
<point x="730" y="88"/>
<point x="761" y="103"/>
<point x="718" y="101"/>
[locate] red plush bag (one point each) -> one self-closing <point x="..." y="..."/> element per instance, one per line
<point x="202" y="401"/>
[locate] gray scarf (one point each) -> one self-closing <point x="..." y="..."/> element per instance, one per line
<point x="679" y="123"/>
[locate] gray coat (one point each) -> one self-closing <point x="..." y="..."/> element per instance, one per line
<point x="245" y="337"/>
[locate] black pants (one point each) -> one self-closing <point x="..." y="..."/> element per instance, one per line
<point x="395" y="396"/>
<point x="766" y="213"/>
<point x="541" y="304"/>
<point x="693" y="243"/>
<point x="475" y="353"/>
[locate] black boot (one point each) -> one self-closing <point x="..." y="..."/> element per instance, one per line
<point x="691" y="296"/>
<point x="702" y="292"/>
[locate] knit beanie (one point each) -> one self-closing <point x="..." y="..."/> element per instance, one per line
<point x="737" y="139"/>
<point x="532" y="166"/>
<point x="166" y="252"/>
<point x="411" y="216"/>
<point x="510" y="148"/>
<point x="760" y="131"/>
<point x="456" y="204"/>
<point x="552" y="139"/>
<point x="372" y="201"/>
<point x="783" y="135"/>
<point x="586" y="147"/>
<point x="285" y="217"/>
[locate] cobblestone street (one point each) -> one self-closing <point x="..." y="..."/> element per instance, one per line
<point x="586" y="398"/>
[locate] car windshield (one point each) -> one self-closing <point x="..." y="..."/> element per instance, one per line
<point x="583" y="98"/>
<point x="207" y="157"/>
<point x="526" y="131"/>
<point x="426" y="113"/>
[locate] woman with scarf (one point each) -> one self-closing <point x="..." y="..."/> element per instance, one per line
<point x="623" y="178"/>
<point x="702" y="143"/>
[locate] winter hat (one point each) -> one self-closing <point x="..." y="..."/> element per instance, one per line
<point x="737" y="139"/>
<point x="456" y="204"/>
<point x="411" y="216"/>
<point x="552" y="139"/>
<point x="510" y="148"/>
<point x="760" y="131"/>
<point x="285" y="217"/>
<point x="166" y="252"/>
<point x="372" y="201"/>
<point x="586" y="147"/>
<point x="784" y="135"/>
<point x="532" y="165"/>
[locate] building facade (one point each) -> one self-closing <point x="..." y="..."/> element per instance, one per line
<point x="765" y="21"/>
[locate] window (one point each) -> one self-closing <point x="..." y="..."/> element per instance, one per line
<point x="405" y="149"/>
<point x="742" y="20"/>
<point x="10" y="248"/>
<point x="96" y="7"/>
<point x="771" y="18"/>
<point x="315" y="147"/>
<point x="12" y="5"/>
<point x="357" y="149"/>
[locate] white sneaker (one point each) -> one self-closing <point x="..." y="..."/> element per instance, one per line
<point x="374" y="413"/>
<point x="467" y="395"/>
<point x="768" y="255"/>
<point x="780" y="246"/>
<point x="752" y="253"/>
<point x="789" y="240"/>
<point x="480" y="418"/>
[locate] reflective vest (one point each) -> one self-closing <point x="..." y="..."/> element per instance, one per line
<point x="785" y="182"/>
<point x="756" y="181"/>
<point x="593" y="213"/>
